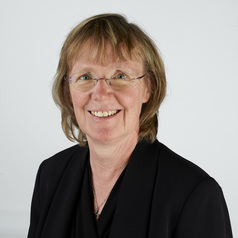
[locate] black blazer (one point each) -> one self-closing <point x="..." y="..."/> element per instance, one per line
<point x="162" y="195"/>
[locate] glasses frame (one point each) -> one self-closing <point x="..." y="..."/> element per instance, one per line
<point x="95" y="80"/>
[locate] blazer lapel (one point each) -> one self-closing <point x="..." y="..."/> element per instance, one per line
<point x="62" y="209"/>
<point x="132" y="213"/>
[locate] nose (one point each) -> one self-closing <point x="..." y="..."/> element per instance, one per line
<point x="101" y="90"/>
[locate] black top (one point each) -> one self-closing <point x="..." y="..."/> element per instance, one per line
<point x="160" y="195"/>
<point x="104" y="222"/>
<point x="85" y="224"/>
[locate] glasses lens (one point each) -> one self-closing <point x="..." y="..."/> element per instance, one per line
<point x="120" y="84"/>
<point x="87" y="84"/>
<point x="83" y="85"/>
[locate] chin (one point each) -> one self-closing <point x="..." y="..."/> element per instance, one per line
<point x="104" y="138"/>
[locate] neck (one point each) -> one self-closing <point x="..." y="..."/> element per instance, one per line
<point x="110" y="158"/>
<point x="107" y="160"/>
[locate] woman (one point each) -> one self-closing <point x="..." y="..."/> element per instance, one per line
<point x="119" y="181"/>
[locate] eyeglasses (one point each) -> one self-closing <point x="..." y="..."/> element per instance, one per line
<point x="85" y="82"/>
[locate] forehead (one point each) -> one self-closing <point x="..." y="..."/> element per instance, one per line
<point x="90" y="56"/>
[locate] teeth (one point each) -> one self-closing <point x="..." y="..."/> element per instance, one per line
<point x="103" y="114"/>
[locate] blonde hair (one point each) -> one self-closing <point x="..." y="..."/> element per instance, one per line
<point x="123" y="37"/>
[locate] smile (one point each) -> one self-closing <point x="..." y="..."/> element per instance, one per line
<point x="104" y="113"/>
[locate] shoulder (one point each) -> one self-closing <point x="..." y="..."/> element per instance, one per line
<point x="178" y="177"/>
<point x="63" y="157"/>
<point x="179" y="167"/>
<point x="56" y="165"/>
<point x="60" y="168"/>
<point x="189" y="193"/>
<point x="169" y="163"/>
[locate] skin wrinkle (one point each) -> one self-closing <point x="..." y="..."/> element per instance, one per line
<point x="111" y="140"/>
<point x="128" y="42"/>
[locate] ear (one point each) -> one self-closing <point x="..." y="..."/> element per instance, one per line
<point x="147" y="90"/>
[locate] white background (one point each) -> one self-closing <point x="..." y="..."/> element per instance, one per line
<point x="198" y="120"/>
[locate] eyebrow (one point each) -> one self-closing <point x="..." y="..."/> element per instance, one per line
<point x="116" y="68"/>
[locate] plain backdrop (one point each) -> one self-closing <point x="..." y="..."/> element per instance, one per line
<point x="198" y="41"/>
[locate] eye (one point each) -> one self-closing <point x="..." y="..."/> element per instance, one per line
<point x="121" y="76"/>
<point x="84" y="77"/>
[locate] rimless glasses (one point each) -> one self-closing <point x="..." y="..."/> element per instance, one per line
<point x="86" y="82"/>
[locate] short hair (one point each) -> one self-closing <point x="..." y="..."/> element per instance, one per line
<point x="123" y="36"/>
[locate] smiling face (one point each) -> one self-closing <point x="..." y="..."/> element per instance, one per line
<point x="102" y="113"/>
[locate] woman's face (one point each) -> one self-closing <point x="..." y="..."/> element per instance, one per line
<point x="103" y="113"/>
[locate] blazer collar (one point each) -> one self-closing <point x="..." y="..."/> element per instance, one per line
<point x="62" y="208"/>
<point x="132" y="213"/>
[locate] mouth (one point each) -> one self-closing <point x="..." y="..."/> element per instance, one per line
<point x="104" y="113"/>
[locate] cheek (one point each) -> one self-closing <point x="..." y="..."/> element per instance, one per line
<point x="78" y="100"/>
<point x="132" y="101"/>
